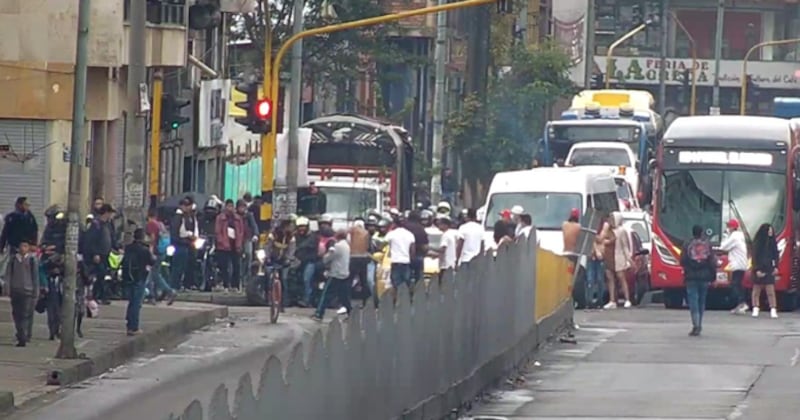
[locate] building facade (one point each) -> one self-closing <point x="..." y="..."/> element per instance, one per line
<point x="691" y="32"/>
<point x="37" y="60"/>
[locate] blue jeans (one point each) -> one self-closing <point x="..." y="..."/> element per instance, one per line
<point x="309" y="270"/>
<point x="338" y="288"/>
<point x="180" y="261"/>
<point x="696" y="292"/>
<point x="155" y="281"/>
<point x="417" y="269"/>
<point x="135" y="299"/>
<point x="595" y="282"/>
<point x="401" y="273"/>
<point x="371" y="277"/>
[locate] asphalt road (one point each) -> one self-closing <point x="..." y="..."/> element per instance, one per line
<point x="640" y="364"/>
<point x="154" y="385"/>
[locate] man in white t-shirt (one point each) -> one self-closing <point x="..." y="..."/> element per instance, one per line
<point x="470" y="243"/>
<point x="449" y="244"/>
<point x="401" y="253"/>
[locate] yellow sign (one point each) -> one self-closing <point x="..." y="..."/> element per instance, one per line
<point x="640" y="100"/>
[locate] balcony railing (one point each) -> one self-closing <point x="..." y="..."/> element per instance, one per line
<point x="162" y="12"/>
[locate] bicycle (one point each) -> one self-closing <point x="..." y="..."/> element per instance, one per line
<point x="272" y="293"/>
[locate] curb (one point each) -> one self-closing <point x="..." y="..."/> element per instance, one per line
<point x="225" y="300"/>
<point x="166" y="335"/>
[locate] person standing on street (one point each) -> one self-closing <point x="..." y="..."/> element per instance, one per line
<point x="19" y="225"/>
<point x="699" y="270"/>
<point x="470" y="243"/>
<point x="99" y="243"/>
<point x="735" y="245"/>
<point x="449" y="244"/>
<point x="360" y="241"/>
<point x="22" y="276"/>
<point x="337" y="260"/>
<point x="184" y="229"/>
<point x="421" y="243"/>
<point x="402" y="250"/>
<point x="229" y="231"/>
<point x="571" y="230"/>
<point x="136" y="264"/>
<point x="765" y="268"/>
<point x="159" y="241"/>
<point x="251" y="234"/>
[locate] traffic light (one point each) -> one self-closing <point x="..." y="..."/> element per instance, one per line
<point x="251" y="119"/>
<point x="505" y="6"/>
<point x="598" y="81"/>
<point x="171" y="118"/>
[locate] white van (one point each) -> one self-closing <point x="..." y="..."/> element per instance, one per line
<point x="616" y="156"/>
<point x="548" y="195"/>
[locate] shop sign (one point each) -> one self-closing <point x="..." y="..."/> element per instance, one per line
<point x="645" y="70"/>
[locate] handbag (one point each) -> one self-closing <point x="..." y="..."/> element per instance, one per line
<point x="41" y="303"/>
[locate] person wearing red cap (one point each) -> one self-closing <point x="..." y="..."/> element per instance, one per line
<point x="571" y="229"/>
<point x="503" y="227"/>
<point x="735" y="245"/>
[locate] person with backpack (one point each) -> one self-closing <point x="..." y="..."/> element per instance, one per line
<point x="136" y="263"/>
<point x="159" y="241"/>
<point x="699" y="270"/>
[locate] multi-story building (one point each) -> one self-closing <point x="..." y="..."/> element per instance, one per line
<point x="691" y="31"/>
<point x="37" y="59"/>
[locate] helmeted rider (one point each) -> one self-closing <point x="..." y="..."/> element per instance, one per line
<point x="444" y="208"/>
<point x="426" y="218"/>
<point x="307" y="255"/>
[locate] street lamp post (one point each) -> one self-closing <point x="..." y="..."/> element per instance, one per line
<point x="743" y="97"/>
<point x="693" y="98"/>
<point x="629" y="35"/>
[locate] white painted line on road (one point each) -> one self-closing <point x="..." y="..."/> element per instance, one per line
<point x="796" y="356"/>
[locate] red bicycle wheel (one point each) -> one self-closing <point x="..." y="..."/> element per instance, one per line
<point x="276" y="299"/>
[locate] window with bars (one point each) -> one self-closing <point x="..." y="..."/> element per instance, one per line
<point x="160" y="12"/>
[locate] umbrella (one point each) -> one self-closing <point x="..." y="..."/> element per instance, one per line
<point x="173" y="202"/>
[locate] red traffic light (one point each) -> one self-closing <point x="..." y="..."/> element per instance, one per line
<point x="264" y="109"/>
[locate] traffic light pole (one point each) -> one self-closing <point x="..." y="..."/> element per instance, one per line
<point x="693" y="44"/>
<point x="268" y="171"/>
<point x="155" y="138"/>
<point x="268" y="139"/>
<point x="615" y="44"/>
<point x="743" y="97"/>
<point x="66" y="348"/>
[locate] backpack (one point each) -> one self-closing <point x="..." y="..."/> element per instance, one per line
<point x="163" y="242"/>
<point x="699" y="251"/>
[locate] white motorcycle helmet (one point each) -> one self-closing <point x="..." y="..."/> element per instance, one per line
<point x="326" y="218"/>
<point x="443" y="207"/>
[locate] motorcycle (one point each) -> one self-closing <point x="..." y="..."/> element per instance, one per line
<point x="266" y="287"/>
<point x="204" y="261"/>
<point x="113" y="277"/>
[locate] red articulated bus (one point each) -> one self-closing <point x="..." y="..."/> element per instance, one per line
<point x="711" y="169"/>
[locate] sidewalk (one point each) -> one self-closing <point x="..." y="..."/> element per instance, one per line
<point x="104" y="346"/>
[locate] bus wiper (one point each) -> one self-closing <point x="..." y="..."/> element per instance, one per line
<point x="738" y="215"/>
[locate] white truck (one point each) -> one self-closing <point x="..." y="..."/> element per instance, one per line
<point x="357" y="164"/>
<point x="616" y="156"/>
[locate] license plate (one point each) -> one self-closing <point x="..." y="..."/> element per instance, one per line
<point x="722" y="277"/>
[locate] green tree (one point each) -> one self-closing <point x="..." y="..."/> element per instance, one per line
<point x="335" y="59"/>
<point x="499" y="133"/>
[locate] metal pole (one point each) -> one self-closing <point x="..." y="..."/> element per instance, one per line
<point x="66" y="348"/>
<point x="718" y="51"/>
<point x="693" y="96"/>
<point x="155" y="137"/>
<point x="377" y="20"/>
<point x="295" y="94"/>
<point x="615" y="44"/>
<point x="589" y="59"/>
<point x="133" y="185"/>
<point x="440" y="57"/>
<point x="662" y="74"/>
<point x="268" y="139"/>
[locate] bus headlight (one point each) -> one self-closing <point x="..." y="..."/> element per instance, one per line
<point x="663" y="252"/>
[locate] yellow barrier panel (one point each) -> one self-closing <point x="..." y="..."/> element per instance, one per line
<point x="553" y="282"/>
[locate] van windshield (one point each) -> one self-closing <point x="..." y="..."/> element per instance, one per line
<point x="548" y="210"/>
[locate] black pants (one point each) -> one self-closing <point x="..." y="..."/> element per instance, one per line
<point x="739" y="295"/>
<point x="417" y="269"/>
<point x="229" y="268"/>
<point x="358" y="268"/>
<point x="22" y="306"/>
<point x="340" y="288"/>
<point x="99" y="271"/>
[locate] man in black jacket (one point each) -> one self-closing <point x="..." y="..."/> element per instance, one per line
<point x="699" y="270"/>
<point x="99" y="242"/>
<point x="183" y="230"/>
<point x="136" y="263"/>
<point x="19" y="225"/>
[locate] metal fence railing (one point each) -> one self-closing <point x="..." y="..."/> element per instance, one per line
<point x="423" y="356"/>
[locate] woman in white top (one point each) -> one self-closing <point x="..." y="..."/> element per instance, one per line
<point x="623" y="258"/>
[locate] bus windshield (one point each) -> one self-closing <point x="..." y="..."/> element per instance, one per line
<point x="564" y="136"/>
<point x="599" y="156"/>
<point x="344" y="203"/>
<point x="548" y="210"/>
<point x="710" y="198"/>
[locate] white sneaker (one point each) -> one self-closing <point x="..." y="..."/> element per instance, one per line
<point x="773" y="313"/>
<point x="342" y="311"/>
<point x="627" y="304"/>
<point x="610" y="305"/>
<point x="755" y="312"/>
